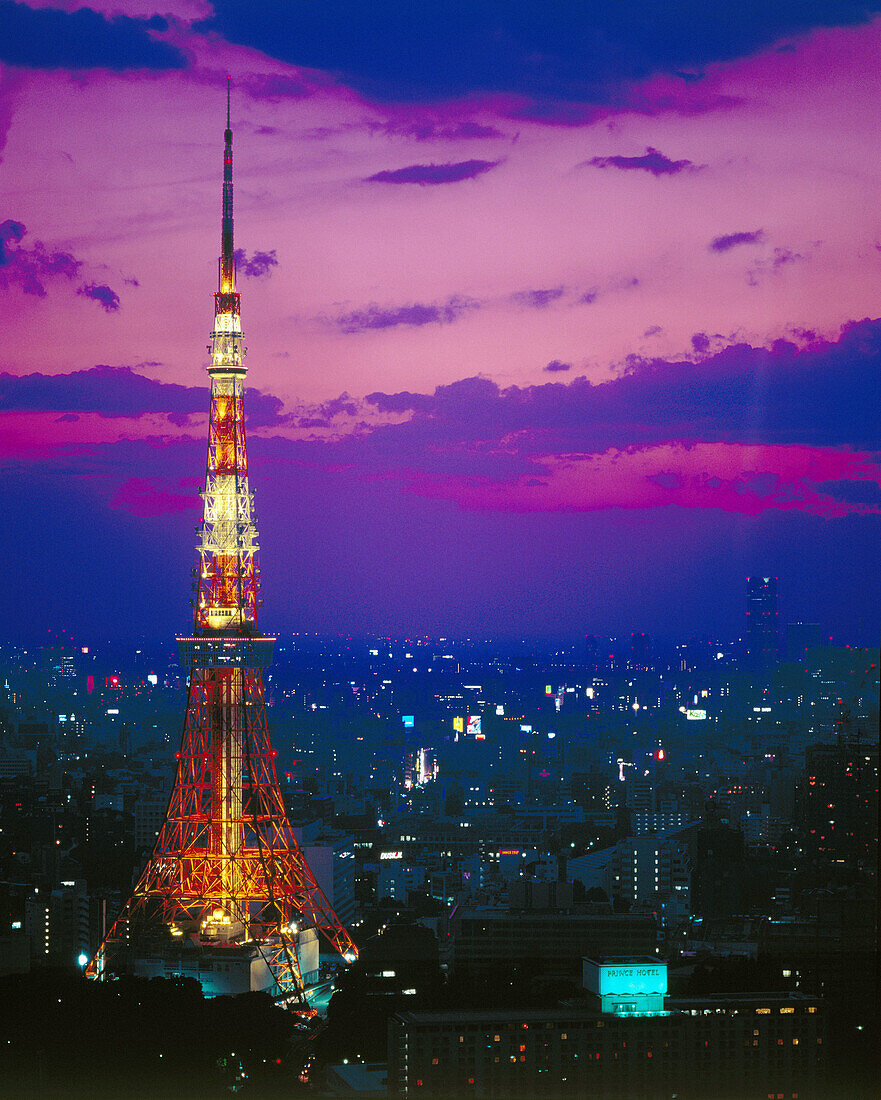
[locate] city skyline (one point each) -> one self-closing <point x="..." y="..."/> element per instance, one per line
<point x="532" y="353"/>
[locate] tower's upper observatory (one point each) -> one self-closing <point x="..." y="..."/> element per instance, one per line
<point x="227" y="352"/>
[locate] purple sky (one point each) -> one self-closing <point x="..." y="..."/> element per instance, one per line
<point x="532" y="350"/>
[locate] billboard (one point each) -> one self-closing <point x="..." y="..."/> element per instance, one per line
<point x="409" y="721"/>
<point x="473" y="728"/>
<point x="627" y="980"/>
<point x="695" y="715"/>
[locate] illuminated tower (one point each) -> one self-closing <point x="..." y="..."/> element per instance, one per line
<point x="226" y="878"/>
<point x="761" y="622"/>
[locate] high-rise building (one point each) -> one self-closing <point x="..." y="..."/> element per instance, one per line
<point x="640" y="651"/>
<point x="226" y="895"/>
<point x="761" y="622"/>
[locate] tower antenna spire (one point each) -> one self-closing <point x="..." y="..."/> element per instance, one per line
<point x="227" y="299"/>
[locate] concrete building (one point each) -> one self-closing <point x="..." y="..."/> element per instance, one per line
<point x="226" y="968"/>
<point x="743" y="1047"/>
<point x="71" y="930"/>
<point x="149" y="815"/>
<point x="330" y="855"/>
<point x="653" y="869"/>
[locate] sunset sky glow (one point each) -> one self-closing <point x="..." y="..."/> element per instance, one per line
<point x="561" y="317"/>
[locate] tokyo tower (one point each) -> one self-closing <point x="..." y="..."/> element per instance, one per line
<point x="226" y="889"/>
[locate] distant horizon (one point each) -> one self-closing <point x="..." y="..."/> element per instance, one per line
<point x="665" y="645"/>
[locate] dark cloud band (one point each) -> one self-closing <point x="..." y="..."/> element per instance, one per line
<point x="573" y="52"/>
<point x="651" y="161"/>
<point x="120" y="391"/>
<point x="51" y="39"/>
<point x="432" y="174"/>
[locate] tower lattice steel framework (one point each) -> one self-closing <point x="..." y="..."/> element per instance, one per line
<point x="226" y="868"/>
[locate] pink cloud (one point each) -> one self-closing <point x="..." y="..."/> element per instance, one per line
<point x="730" y="477"/>
<point x="142" y="498"/>
<point x="34" y="436"/>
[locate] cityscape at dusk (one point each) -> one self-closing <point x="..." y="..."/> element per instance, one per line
<point x="492" y="708"/>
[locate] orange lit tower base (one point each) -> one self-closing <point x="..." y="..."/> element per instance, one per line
<point x="226" y="872"/>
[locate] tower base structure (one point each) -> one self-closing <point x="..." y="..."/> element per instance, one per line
<point x="227" y="896"/>
<point x="226" y="969"/>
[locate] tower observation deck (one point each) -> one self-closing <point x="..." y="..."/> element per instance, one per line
<point x="226" y="879"/>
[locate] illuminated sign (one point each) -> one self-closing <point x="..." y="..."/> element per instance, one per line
<point x="509" y="852"/>
<point x="695" y="715"/>
<point x="391" y="855"/>
<point x="634" y="988"/>
<point x="473" y="728"/>
<point x="526" y="729"/>
<point x="409" y="721"/>
<point x="500" y="710"/>
<point x="548" y="690"/>
<point x="459" y="724"/>
<point x="152" y="678"/>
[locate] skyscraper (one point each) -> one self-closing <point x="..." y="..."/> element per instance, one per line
<point x="761" y="622"/>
